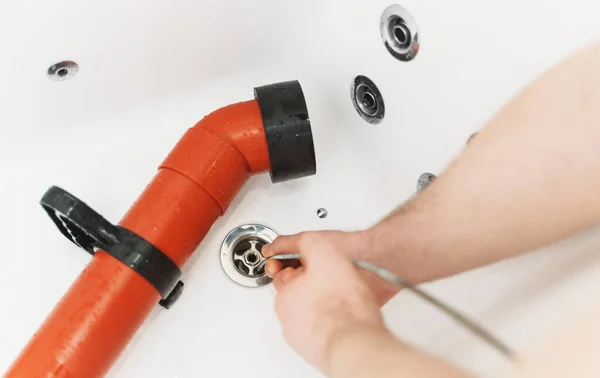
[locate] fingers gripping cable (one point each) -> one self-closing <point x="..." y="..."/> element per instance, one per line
<point x="462" y="319"/>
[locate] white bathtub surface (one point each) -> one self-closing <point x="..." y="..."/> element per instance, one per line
<point x="150" y="70"/>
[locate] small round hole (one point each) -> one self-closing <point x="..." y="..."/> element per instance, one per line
<point x="252" y="258"/>
<point x="63" y="70"/>
<point x="322" y="213"/>
<point x="400" y="33"/>
<point x="367" y="99"/>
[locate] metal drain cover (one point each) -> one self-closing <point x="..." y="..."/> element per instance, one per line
<point x="241" y="254"/>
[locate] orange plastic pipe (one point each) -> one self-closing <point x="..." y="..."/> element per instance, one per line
<point x="91" y="325"/>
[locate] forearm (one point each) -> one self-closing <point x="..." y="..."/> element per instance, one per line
<point x="530" y="178"/>
<point x="373" y="352"/>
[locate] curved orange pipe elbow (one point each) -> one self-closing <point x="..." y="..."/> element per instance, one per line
<point x="199" y="179"/>
<point x="92" y="324"/>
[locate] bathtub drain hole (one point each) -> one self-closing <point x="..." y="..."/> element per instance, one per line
<point x="241" y="254"/>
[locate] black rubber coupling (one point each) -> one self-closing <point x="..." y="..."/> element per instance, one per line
<point x="288" y="130"/>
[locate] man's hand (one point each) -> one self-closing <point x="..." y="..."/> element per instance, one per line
<point x="320" y="302"/>
<point x="331" y="317"/>
<point x="353" y="245"/>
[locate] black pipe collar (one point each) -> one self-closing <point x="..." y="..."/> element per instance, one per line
<point x="288" y="130"/>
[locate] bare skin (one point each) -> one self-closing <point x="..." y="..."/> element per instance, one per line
<point x="528" y="179"/>
<point x="337" y="324"/>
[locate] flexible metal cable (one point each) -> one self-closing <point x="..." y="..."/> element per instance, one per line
<point x="466" y="322"/>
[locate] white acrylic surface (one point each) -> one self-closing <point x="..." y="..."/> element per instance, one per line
<point x="149" y="70"/>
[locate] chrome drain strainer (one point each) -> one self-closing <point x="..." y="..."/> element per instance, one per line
<point x="241" y="254"/>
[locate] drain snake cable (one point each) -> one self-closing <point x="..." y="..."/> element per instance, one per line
<point x="463" y="320"/>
